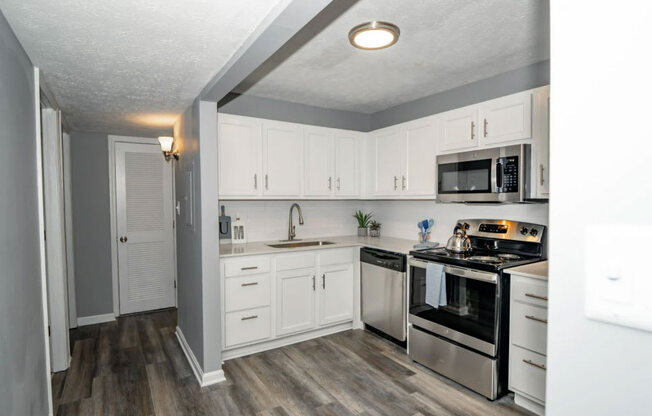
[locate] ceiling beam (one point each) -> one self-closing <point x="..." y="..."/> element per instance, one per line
<point x="288" y="18"/>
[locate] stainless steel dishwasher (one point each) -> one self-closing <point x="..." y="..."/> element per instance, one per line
<point x="383" y="292"/>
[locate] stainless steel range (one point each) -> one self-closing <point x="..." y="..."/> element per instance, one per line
<point x="461" y="331"/>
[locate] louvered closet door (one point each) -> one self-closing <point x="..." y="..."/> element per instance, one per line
<point x="145" y="229"/>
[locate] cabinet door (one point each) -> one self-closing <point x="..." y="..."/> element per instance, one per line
<point x="336" y="294"/>
<point x="418" y="178"/>
<point x="295" y="301"/>
<point x="239" y="145"/>
<point x="388" y="155"/>
<point x="458" y="129"/>
<point x="282" y="159"/>
<point x="347" y="171"/>
<point x="541" y="143"/>
<point x="506" y="118"/>
<point x="319" y="178"/>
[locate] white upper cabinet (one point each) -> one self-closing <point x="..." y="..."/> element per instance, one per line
<point x="540" y="143"/>
<point x="458" y="129"/>
<point x="282" y="159"/>
<point x="506" y="118"/>
<point x="418" y="178"/>
<point x="319" y="151"/>
<point x="387" y="151"/>
<point x="239" y="148"/>
<point x="347" y="170"/>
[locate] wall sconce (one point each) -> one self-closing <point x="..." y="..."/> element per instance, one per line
<point x="167" y="146"/>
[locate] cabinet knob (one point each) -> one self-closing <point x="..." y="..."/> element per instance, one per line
<point x="123" y="239"/>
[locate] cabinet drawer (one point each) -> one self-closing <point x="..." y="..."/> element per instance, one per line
<point x="246" y="266"/>
<point x="336" y="256"/>
<point x="295" y="261"/>
<point x="530" y="291"/>
<point x="527" y="372"/>
<point x="246" y="292"/>
<point x="529" y="327"/>
<point x="247" y="326"/>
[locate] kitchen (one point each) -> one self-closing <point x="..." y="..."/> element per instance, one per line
<point x="327" y="207"/>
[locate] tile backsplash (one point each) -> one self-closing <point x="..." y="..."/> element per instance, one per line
<point x="268" y="220"/>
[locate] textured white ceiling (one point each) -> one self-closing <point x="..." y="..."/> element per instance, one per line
<point x="126" y="66"/>
<point x="443" y="44"/>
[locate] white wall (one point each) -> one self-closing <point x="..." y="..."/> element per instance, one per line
<point x="601" y="148"/>
<point x="268" y="220"/>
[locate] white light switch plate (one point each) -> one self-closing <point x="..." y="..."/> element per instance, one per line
<point x="618" y="279"/>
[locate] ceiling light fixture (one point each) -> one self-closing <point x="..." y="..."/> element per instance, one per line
<point x="374" y="35"/>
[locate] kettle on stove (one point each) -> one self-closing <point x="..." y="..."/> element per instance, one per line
<point x="459" y="241"/>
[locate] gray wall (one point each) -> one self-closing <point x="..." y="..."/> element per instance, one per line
<point x="197" y="244"/>
<point x="91" y="223"/>
<point x="23" y="390"/>
<point x="507" y="83"/>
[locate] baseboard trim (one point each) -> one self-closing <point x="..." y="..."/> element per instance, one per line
<point x="95" y="319"/>
<point x="204" y="379"/>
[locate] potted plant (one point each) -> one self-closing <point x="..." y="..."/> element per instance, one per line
<point x="374" y="228"/>
<point x="363" y="222"/>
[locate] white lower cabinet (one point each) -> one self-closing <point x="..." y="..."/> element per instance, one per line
<point x="273" y="300"/>
<point x="527" y="338"/>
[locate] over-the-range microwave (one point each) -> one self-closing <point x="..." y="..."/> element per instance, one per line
<point x="501" y="174"/>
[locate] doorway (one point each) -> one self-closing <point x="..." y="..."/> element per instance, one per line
<point x="142" y="226"/>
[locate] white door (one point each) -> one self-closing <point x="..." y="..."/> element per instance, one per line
<point x="421" y="148"/>
<point x="144" y="227"/>
<point x="458" y="129"/>
<point x="239" y="146"/>
<point x="295" y="301"/>
<point x="336" y="294"/>
<point x="506" y="118"/>
<point x="346" y="165"/>
<point x="319" y="180"/>
<point x="388" y="162"/>
<point x="282" y="159"/>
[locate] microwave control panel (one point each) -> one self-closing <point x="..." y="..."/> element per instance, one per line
<point x="507" y="174"/>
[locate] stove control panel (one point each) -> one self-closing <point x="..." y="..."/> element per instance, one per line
<point x="493" y="228"/>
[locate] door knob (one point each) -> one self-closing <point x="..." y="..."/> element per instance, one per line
<point x="123" y="239"/>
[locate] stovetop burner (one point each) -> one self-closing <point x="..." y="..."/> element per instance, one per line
<point x="477" y="258"/>
<point x="485" y="259"/>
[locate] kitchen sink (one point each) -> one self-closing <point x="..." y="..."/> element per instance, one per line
<point x="296" y="244"/>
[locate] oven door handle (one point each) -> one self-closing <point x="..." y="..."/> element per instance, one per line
<point x="459" y="271"/>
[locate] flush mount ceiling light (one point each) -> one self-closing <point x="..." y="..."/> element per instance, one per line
<point x="374" y="35"/>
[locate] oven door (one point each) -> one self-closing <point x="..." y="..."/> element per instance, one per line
<point x="489" y="175"/>
<point x="471" y="314"/>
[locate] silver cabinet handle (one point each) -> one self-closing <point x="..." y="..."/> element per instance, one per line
<point x="330" y="183"/>
<point x="532" y="363"/>
<point x="123" y="239"/>
<point x="246" y="318"/>
<point x="534" y="318"/>
<point x="532" y="295"/>
<point x="313" y="282"/>
<point x="485" y="127"/>
<point x="472" y="130"/>
<point x="403" y="182"/>
<point x="266" y="182"/>
<point x="338" y="183"/>
<point x="249" y="284"/>
<point x="395" y="181"/>
<point x="541" y="180"/>
<point x="255" y="181"/>
<point x="323" y="281"/>
<point x="249" y="268"/>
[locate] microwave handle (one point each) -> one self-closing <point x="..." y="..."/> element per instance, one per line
<point x="499" y="174"/>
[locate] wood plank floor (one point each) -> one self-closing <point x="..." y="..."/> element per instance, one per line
<point x="135" y="366"/>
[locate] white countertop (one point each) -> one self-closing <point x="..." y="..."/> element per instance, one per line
<point x="397" y="245"/>
<point x="535" y="270"/>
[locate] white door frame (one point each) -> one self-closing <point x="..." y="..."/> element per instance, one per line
<point x="55" y="242"/>
<point x="114" y="216"/>
<point x="41" y="227"/>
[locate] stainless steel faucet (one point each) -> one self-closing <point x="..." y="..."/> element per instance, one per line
<point x="291" y="228"/>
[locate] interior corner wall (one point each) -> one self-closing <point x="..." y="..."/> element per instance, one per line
<point x="89" y="158"/>
<point x="198" y="289"/>
<point x="23" y="363"/>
